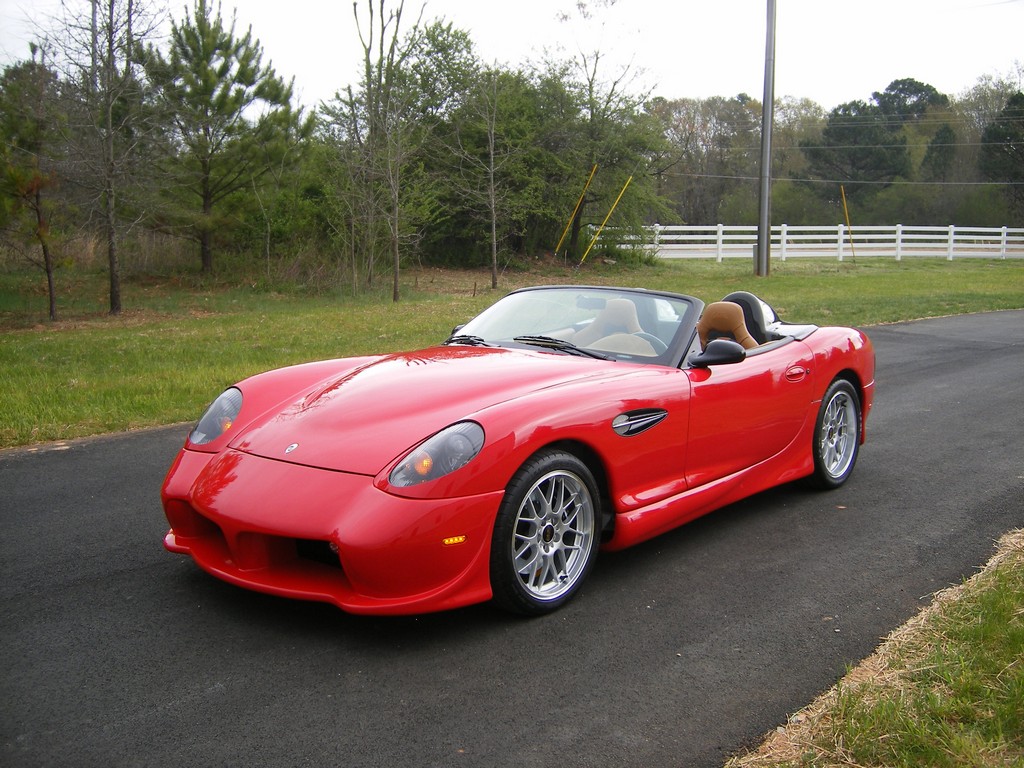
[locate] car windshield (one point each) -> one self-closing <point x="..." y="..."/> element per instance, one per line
<point x="615" y="324"/>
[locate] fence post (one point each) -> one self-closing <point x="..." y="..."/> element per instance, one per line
<point x="949" y="242"/>
<point x="782" y="240"/>
<point x="839" y="242"/>
<point x="718" y="245"/>
<point x="899" y="242"/>
<point x="1002" y="244"/>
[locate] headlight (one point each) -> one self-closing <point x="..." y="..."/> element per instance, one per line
<point x="440" y="455"/>
<point x="218" y="417"/>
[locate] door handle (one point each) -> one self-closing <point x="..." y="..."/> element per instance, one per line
<point x="797" y="373"/>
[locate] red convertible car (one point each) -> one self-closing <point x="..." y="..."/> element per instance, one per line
<point x="561" y="421"/>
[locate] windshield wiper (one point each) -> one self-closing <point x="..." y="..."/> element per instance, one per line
<point x="467" y="340"/>
<point x="561" y="345"/>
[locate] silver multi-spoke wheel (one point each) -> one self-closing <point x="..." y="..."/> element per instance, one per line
<point x="552" y="536"/>
<point x="837" y="435"/>
<point x="546" y="534"/>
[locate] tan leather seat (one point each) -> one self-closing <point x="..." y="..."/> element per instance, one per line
<point x="617" y="316"/>
<point x="724" y="319"/>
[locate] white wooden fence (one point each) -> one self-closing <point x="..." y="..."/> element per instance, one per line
<point x="839" y="241"/>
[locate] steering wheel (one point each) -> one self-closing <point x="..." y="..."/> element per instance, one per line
<point x="660" y="347"/>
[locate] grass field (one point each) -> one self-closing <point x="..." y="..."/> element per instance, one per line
<point x="179" y="342"/>
<point x="949" y="690"/>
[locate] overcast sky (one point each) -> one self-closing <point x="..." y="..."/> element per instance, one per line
<point x="828" y="51"/>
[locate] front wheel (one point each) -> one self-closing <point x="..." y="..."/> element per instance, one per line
<point x="836" y="435"/>
<point x="545" y="535"/>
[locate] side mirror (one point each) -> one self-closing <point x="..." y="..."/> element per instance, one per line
<point x="719" y="352"/>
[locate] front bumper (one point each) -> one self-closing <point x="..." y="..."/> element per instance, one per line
<point x="313" y="534"/>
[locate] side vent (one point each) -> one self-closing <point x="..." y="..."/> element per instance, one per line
<point x="632" y="423"/>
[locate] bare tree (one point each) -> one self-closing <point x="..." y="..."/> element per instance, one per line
<point x="97" y="55"/>
<point x="367" y="126"/>
<point x="486" y="146"/>
<point x="386" y="142"/>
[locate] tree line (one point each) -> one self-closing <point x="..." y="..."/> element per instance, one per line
<point x="433" y="156"/>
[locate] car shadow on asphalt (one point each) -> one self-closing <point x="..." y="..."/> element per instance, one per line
<point x="684" y="555"/>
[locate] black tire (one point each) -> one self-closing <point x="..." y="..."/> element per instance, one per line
<point x="836" y="435"/>
<point x="546" y="534"/>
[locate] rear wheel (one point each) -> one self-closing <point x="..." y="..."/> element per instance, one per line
<point x="545" y="536"/>
<point x="836" y="435"/>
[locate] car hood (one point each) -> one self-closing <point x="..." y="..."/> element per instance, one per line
<point x="363" y="419"/>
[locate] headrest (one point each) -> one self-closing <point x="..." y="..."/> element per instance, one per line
<point x="616" y="316"/>
<point x="724" y="318"/>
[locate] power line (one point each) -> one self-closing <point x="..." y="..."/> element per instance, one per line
<point x="888" y="146"/>
<point x="897" y="182"/>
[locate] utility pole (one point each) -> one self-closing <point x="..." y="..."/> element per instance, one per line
<point x="764" y="226"/>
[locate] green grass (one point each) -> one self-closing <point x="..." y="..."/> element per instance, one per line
<point x="180" y="341"/>
<point x="961" y="701"/>
<point x="108" y="374"/>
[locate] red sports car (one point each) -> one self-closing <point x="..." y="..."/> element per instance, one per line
<point x="560" y="421"/>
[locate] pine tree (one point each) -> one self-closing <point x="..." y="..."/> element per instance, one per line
<point x="230" y="115"/>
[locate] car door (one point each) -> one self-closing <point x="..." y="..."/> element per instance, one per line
<point x="744" y="413"/>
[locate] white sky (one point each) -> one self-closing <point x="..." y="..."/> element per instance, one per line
<point x="829" y="51"/>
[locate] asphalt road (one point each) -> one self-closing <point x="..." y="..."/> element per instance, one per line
<point x="679" y="652"/>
